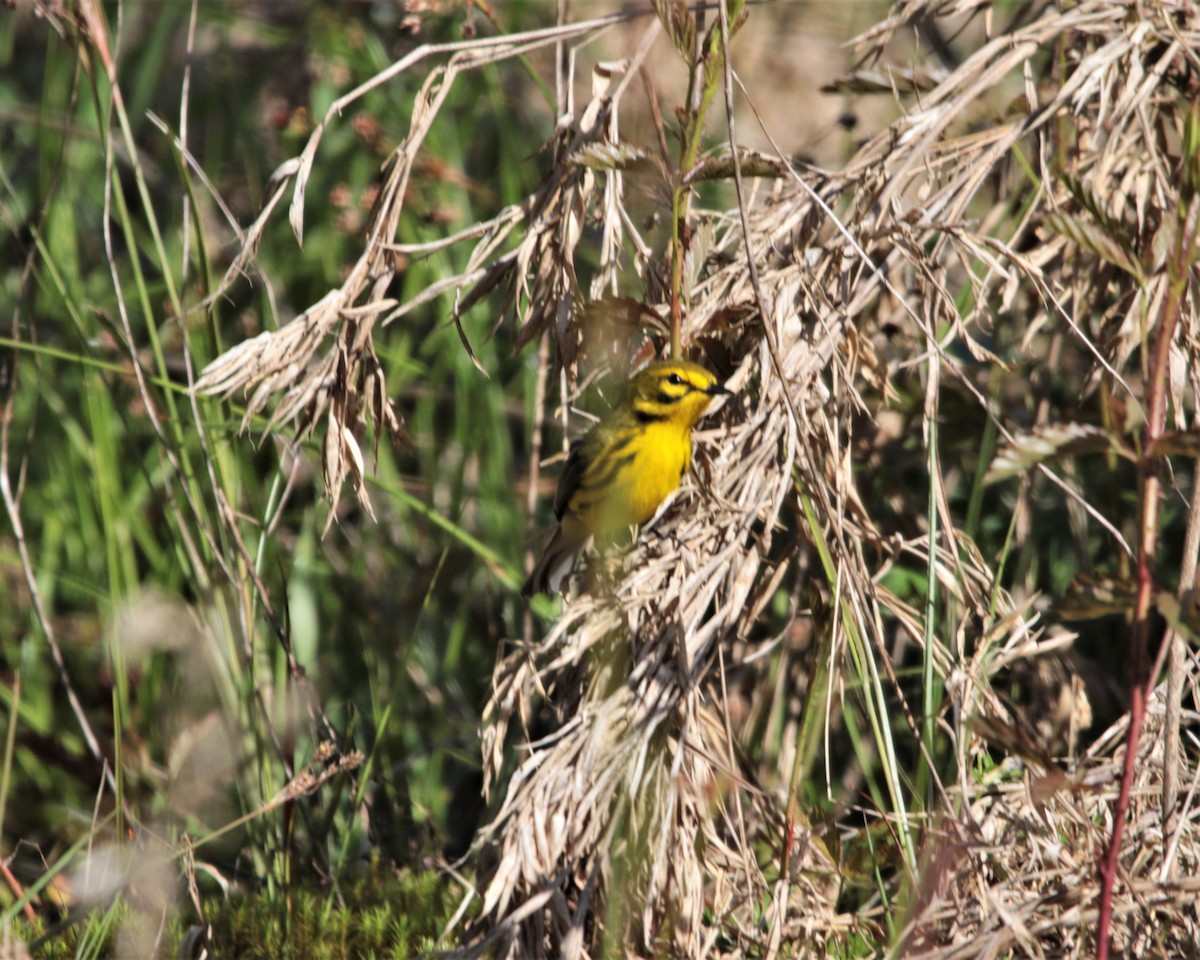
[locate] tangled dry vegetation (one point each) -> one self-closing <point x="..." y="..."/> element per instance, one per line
<point x="1031" y="208"/>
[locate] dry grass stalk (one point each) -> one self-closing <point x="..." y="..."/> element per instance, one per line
<point x="322" y="366"/>
<point x="634" y="820"/>
<point x="1028" y="883"/>
<point x="913" y="205"/>
<point x="645" y="753"/>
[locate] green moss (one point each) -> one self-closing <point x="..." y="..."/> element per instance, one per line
<point x="379" y="915"/>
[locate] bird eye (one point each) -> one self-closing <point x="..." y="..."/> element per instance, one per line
<point x="675" y="379"/>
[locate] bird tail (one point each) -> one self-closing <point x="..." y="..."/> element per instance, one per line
<point x="550" y="574"/>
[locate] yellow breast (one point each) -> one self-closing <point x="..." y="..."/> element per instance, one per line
<point x="663" y="459"/>
<point x="660" y="456"/>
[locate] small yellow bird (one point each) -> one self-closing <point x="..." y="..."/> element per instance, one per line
<point x="622" y="469"/>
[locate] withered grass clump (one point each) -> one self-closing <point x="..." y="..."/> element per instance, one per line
<point x="1030" y="215"/>
<point x="1025" y="882"/>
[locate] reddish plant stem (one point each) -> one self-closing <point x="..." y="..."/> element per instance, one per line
<point x="1150" y="482"/>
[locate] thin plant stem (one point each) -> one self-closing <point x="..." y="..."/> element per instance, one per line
<point x="1151" y="488"/>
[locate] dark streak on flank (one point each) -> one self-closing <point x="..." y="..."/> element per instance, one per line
<point x="619" y="447"/>
<point x="613" y="467"/>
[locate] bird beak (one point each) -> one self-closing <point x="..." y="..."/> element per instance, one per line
<point x="717" y="390"/>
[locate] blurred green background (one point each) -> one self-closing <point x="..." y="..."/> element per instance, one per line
<point x="177" y="568"/>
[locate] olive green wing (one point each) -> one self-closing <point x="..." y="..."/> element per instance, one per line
<point x="578" y="456"/>
<point x="593" y="464"/>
